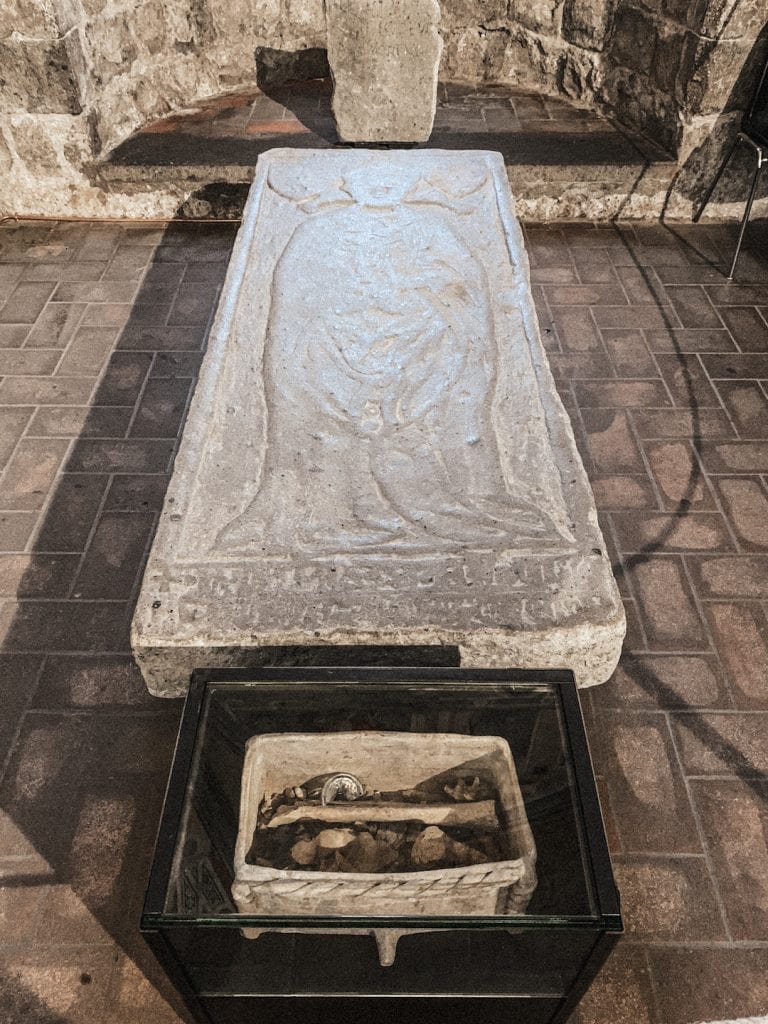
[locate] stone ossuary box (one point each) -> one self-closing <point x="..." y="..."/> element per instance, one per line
<point x="389" y="761"/>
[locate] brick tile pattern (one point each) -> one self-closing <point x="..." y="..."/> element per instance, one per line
<point x="662" y="366"/>
<point x="101" y="336"/>
<point x="526" y="128"/>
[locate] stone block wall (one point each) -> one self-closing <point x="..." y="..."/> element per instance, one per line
<point x="662" y="67"/>
<point x="670" y="66"/>
<point x="78" y="76"/>
<point x="724" y="56"/>
<point x="550" y="45"/>
<point x="42" y="114"/>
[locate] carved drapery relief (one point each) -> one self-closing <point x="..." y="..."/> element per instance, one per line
<point x="380" y="375"/>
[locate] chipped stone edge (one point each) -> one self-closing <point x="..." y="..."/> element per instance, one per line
<point x="591" y="651"/>
<point x="741" y="1020"/>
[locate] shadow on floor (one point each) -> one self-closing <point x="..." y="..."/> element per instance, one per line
<point x="642" y="675"/>
<point x="88" y="766"/>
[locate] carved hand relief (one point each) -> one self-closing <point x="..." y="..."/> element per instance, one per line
<point x="381" y="384"/>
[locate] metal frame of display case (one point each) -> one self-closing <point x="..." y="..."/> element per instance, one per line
<point x="157" y="924"/>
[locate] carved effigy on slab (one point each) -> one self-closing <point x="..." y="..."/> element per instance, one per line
<point x="376" y="452"/>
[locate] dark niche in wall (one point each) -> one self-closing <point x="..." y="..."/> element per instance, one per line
<point x="275" y="67"/>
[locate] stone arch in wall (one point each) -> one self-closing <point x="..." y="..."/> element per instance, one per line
<point x="91" y="71"/>
<point x="81" y="75"/>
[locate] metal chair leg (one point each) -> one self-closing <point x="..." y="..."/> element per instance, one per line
<point x="761" y="157"/>
<point x="718" y="176"/>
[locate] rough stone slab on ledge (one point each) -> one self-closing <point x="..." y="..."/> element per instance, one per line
<point x="384" y="57"/>
<point x="376" y="453"/>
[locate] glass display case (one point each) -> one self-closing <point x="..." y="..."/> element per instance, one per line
<point x="336" y="838"/>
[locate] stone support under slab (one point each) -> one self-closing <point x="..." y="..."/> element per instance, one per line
<point x="376" y="453"/>
<point x="384" y="57"/>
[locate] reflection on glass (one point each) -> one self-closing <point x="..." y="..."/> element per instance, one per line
<point x="466" y="809"/>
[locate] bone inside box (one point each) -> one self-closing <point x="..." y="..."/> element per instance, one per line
<point x="382" y="823"/>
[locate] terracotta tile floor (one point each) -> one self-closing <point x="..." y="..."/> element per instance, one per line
<point x="663" y="366"/>
<point x="526" y="127"/>
<point x="562" y="160"/>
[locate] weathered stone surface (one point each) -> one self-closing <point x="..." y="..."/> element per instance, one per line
<point x="384" y="58"/>
<point x="537" y="15"/>
<point x="6" y="156"/>
<point x="643" y="107"/>
<point x="376" y="452"/>
<point x="283" y="24"/>
<point x="585" y="22"/>
<point x="36" y="77"/>
<point x="32" y="139"/>
<point x="633" y="39"/>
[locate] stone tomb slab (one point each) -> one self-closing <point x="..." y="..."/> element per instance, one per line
<point x="376" y="453"/>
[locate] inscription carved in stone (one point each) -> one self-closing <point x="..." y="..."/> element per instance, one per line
<point x="376" y="452"/>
